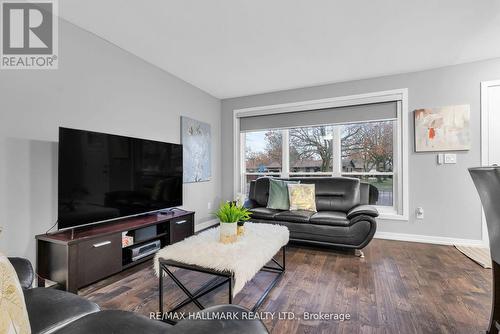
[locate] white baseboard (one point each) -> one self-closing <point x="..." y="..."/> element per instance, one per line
<point x="429" y="239"/>
<point x="204" y="225"/>
<point x="391" y="236"/>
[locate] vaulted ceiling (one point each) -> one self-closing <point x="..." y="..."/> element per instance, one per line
<point x="232" y="48"/>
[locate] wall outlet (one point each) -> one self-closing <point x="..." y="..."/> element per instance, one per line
<point x="450" y="158"/>
<point x="419" y="213"/>
<point x="209" y="206"/>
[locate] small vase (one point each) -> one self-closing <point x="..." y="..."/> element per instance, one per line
<point x="241" y="229"/>
<point x="228" y="232"/>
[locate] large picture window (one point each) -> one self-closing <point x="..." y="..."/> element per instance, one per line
<point x="363" y="150"/>
<point x="362" y="136"/>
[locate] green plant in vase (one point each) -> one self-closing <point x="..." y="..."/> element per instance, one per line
<point x="230" y="215"/>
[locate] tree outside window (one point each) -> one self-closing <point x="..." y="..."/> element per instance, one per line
<point x="311" y="149"/>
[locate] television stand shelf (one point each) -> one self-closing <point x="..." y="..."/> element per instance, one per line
<point x="78" y="257"/>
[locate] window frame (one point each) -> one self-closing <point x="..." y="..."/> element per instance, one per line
<point x="399" y="211"/>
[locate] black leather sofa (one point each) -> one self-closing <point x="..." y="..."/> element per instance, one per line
<point x="344" y="218"/>
<point x="60" y="312"/>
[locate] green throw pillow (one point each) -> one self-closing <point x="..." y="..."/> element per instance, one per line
<point x="278" y="194"/>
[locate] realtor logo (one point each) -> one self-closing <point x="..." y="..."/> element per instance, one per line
<point x="29" y="34"/>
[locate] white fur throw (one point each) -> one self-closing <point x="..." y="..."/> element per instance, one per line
<point x="244" y="258"/>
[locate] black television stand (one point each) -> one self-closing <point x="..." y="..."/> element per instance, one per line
<point x="78" y="257"/>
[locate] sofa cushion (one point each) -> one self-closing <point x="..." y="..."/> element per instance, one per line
<point x="295" y="216"/>
<point x="278" y="194"/>
<point x="50" y="309"/>
<point x="336" y="193"/>
<point x="264" y="213"/>
<point x="331" y="218"/>
<point x="13" y="313"/>
<point x="261" y="191"/>
<point x="116" y="322"/>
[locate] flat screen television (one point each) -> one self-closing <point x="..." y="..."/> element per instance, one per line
<point x="103" y="177"/>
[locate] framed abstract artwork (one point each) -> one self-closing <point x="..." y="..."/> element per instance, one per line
<point x="442" y="129"/>
<point x="196" y="142"/>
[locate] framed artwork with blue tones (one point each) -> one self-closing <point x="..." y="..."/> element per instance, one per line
<point x="196" y="142"/>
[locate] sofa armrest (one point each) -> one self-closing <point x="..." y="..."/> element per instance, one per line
<point x="367" y="210"/>
<point x="24" y="271"/>
<point x="232" y="319"/>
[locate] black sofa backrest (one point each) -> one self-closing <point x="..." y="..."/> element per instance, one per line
<point x="332" y="193"/>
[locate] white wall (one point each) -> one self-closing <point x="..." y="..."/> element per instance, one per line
<point x="97" y="87"/>
<point x="452" y="207"/>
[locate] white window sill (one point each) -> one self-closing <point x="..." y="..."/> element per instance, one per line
<point x="390" y="213"/>
<point x="392" y="216"/>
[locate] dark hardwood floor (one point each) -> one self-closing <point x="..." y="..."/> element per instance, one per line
<point x="399" y="287"/>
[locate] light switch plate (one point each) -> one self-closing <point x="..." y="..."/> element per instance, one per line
<point x="440" y="158"/>
<point x="450" y="158"/>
